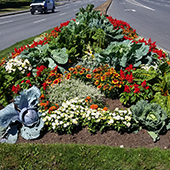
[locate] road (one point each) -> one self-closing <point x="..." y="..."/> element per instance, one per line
<point x="15" y="28"/>
<point x="150" y="18"/>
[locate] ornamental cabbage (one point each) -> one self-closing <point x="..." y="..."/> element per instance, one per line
<point x="23" y="111"/>
<point x="151" y="117"/>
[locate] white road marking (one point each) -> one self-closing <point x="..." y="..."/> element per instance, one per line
<point x="75" y="9"/>
<point x="62" y="13"/>
<point x="133" y="10"/>
<point x="6" y="22"/>
<point x="39" y="21"/>
<point x="139" y="4"/>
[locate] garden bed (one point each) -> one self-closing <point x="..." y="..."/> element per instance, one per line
<point x="109" y="138"/>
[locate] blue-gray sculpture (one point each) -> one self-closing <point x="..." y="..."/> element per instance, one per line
<point x="23" y="111"/>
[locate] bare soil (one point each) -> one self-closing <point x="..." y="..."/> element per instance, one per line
<point x="109" y="138"/>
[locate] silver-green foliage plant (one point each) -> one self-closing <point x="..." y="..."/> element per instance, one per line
<point x="69" y="89"/>
<point x="121" y="54"/>
<point x="151" y="117"/>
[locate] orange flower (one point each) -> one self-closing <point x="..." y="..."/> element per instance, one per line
<point x="88" y="97"/>
<point x="103" y="78"/>
<point x="88" y="76"/>
<point x="71" y="69"/>
<point x="42" y="96"/>
<point x="52" y="108"/>
<point x="111" y="87"/>
<point x="105" y="108"/>
<point x="83" y="68"/>
<point x="116" y="75"/>
<point x="57" y="105"/>
<point x="88" y="69"/>
<point x="68" y="76"/>
<point x="52" y="74"/>
<point x="75" y="72"/>
<point x="105" y="87"/>
<point x="78" y="67"/>
<point x="48" y="81"/>
<point x="99" y="86"/>
<point x="96" y="82"/>
<point x="56" y="81"/>
<point x="81" y="72"/>
<point x="94" y="106"/>
<point x="115" y="81"/>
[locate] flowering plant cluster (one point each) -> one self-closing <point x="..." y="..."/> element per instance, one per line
<point x="104" y="78"/>
<point x="134" y="91"/>
<point x="54" y="59"/>
<point x="76" y="112"/>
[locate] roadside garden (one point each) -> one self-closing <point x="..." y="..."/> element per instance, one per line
<point x="75" y="68"/>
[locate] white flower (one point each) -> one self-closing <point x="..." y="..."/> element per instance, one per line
<point x="110" y="121"/>
<point x="74" y="121"/>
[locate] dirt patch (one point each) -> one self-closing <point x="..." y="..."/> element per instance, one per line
<point x="109" y="138"/>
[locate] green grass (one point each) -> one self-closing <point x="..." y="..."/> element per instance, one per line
<point x="81" y="157"/>
<point x="7" y="10"/>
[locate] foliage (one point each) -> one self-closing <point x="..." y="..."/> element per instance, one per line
<point x="103" y="77"/>
<point x="89" y="28"/>
<point x="121" y="54"/>
<point x="22" y="112"/>
<point x="68" y="89"/>
<point x="159" y="82"/>
<point x="134" y="89"/>
<point x="150" y="117"/>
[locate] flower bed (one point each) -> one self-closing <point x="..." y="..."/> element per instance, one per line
<point x="84" y="60"/>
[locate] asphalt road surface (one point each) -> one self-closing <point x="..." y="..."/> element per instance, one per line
<point x="15" y="28"/>
<point x="150" y="18"/>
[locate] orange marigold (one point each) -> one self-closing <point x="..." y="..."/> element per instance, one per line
<point x="105" y="108"/>
<point x="88" y="76"/>
<point x="94" y="106"/>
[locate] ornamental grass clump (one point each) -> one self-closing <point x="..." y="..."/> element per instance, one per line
<point x="69" y="89"/>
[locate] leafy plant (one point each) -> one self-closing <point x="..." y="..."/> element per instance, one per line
<point x="159" y="80"/>
<point x="121" y="54"/>
<point x="150" y="117"/>
<point x="68" y="89"/>
<point x="134" y="89"/>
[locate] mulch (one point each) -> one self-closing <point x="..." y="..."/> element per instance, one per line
<point x="109" y="138"/>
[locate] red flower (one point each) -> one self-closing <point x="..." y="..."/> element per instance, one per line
<point x="129" y="78"/>
<point x="28" y="82"/>
<point x="129" y="68"/>
<point x="147" y="87"/>
<point x="22" y="81"/>
<point x="127" y="89"/>
<point x="38" y="73"/>
<point x="29" y="74"/>
<point x="137" y="90"/>
<point x="44" y="85"/>
<point x="143" y="84"/>
<point x="55" y="69"/>
<point x="122" y="74"/>
<point x="16" y="89"/>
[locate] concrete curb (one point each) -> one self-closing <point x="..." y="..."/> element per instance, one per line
<point x="104" y="7"/>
